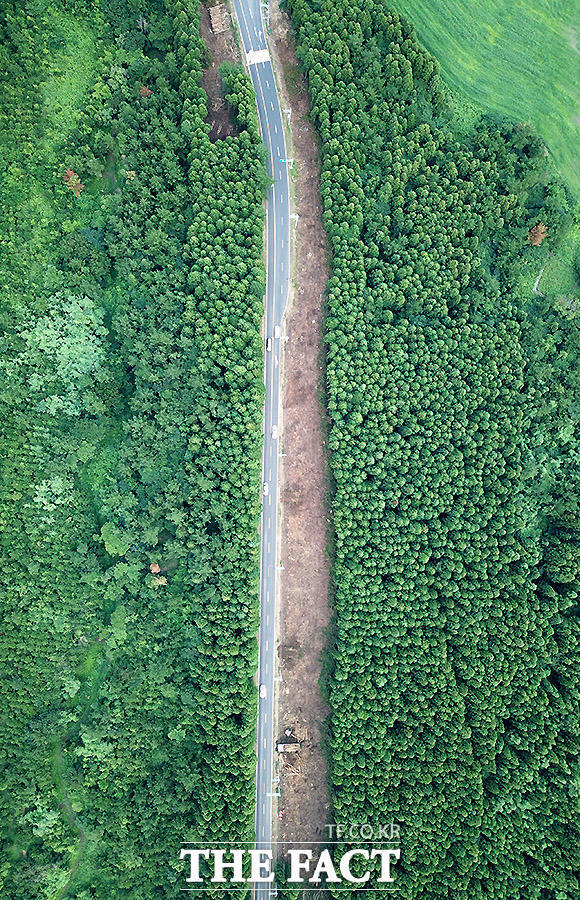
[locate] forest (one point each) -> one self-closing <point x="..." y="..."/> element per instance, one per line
<point x="452" y="390"/>
<point x="132" y="297"/>
<point x="132" y="282"/>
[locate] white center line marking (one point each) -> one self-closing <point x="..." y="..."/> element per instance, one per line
<point x="260" y="75"/>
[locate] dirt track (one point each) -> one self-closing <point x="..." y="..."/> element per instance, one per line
<point x="304" y="804"/>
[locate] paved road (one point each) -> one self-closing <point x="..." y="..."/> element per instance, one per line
<point x="251" y="26"/>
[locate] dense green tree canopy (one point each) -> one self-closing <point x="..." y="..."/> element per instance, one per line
<point x="130" y="498"/>
<point x="454" y="709"/>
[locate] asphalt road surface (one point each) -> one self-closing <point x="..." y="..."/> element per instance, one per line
<point x="252" y="32"/>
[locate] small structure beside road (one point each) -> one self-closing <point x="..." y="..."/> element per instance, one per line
<point x="293" y="747"/>
<point x="217" y="18"/>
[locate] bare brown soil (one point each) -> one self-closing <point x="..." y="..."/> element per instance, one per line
<point x="223" y="47"/>
<point x="304" y="807"/>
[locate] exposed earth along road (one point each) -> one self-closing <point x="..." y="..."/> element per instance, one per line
<point x="252" y="32"/>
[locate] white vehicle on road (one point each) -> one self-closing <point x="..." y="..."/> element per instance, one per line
<point x="263" y="691"/>
<point x="276" y="331"/>
<point x="266" y="489"/>
<point x="268" y="344"/>
<point x="274" y="432"/>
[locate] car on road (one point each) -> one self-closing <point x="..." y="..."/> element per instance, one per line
<point x="268" y="344"/>
<point x="274" y="432"/>
<point x="276" y="331"/>
<point x="266" y="489"/>
<point x="263" y="691"/>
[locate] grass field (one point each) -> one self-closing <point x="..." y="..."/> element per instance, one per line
<point x="32" y="153"/>
<point x="559" y="276"/>
<point x="71" y="73"/>
<point x="519" y="58"/>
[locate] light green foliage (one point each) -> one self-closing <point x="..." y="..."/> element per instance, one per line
<point x="71" y="66"/>
<point x="113" y="539"/>
<point x="48" y="60"/>
<point x="518" y="59"/>
<point x="65" y="356"/>
<point x="561" y="276"/>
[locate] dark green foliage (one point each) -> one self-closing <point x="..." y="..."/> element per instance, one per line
<point x="454" y="706"/>
<point x="285" y="890"/>
<point x="130" y="497"/>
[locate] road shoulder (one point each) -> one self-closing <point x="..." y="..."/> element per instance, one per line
<point x="303" y="807"/>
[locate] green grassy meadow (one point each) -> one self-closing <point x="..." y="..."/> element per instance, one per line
<point x="71" y="73"/>
<point x="60" y="59"/>
<point x="519" y="58"/>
